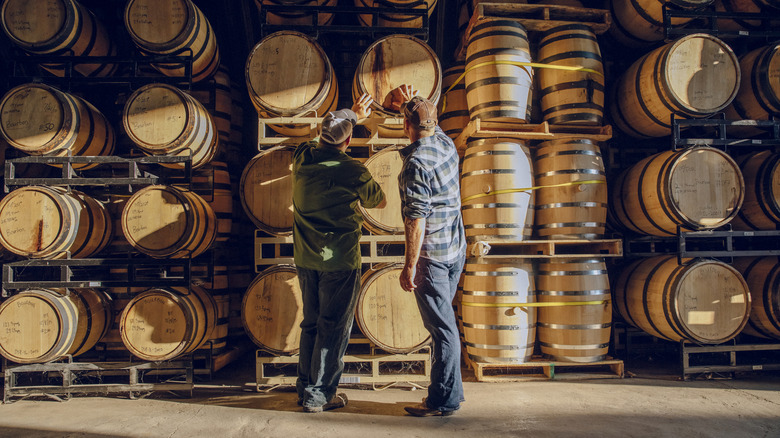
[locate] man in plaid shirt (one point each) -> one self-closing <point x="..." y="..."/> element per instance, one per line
<point x="429" y="183"/>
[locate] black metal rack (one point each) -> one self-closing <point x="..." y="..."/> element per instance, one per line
<point x="315" y="29"/>
<point x="710" y="243"/>
<point x="721" y="136"/>
<point x="706" y="21"/>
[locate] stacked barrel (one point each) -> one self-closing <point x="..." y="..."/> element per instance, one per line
<point x="703" y="301"/>
<point x="292" y="85"/>
<point x="190" y="116"/>
<point x="514" y="190"/>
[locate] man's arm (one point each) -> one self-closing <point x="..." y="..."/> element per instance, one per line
<point x="414" y="230"/>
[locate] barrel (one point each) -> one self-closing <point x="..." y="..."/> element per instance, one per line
<point x="453" y="109"/>
<point x="214" y="280"/>
<point x="272" y="310"/>
<point x="763" y="278"/>
<point x="59" y="28"/>
<point x="493" y="208"/>
<point x="163" y="120"/>
<point x="173" y="27"/>
<point x="39" y="119"/>
<point x="294" y="12"/>
<point x="212" y="183"/>
<point x="288" y="74"/>
<point x="575" y="317"/>
<point x="571" y="202"/>
<point x="392" y="61"/>
<point x="499" y="325"/>
<point x="692" y="77"/>
<point x="640" y="23"/>
<point x="385" y="166"/>
<point x="703" y="301"/>
<point x="41" y="325"/>
<point x="571" y="97"/>
<point x="162" y="324"/>
<point x="759" y="92"/>
<point x="53" y="223"/>
<point x="694" y="189"/>
<point x="761" y="207"/>
<point x="266" y="190"/>
<point x="391" y="19"/>
<point x="168" y="222"/>
<point x="497" y="88"/>
<point x="388" y="315"/>
<point x="215" y="95"/>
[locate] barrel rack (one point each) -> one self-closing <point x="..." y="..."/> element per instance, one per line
<point x="707" y="21"/>
<point x="743" y="353"/>
<point x="102" y="375"/>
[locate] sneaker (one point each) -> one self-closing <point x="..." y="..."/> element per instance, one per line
<point x="338" y="401"/>
<point x="422" y="410"/>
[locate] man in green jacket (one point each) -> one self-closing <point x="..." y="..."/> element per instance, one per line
<point x="327" y="187"/>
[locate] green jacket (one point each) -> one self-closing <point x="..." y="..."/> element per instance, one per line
<point x="327" y="186"/>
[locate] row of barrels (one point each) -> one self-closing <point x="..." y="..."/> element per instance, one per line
<point x="67" y="28"/>
<point x="161" y="120"/>
<point x="694" y="76"/>
<point x="160" y="221"/>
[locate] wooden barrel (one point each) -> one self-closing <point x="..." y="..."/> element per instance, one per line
<point x="39" y="325"/>
<point x="163" y="120"/>
<point x="498" y="325"/>
<point x="392" y="61"/>
<point x="761" y="207"/>
<point x="388" y="315"/>
<point x="571" y="97"/>
<point x="575" y="319"/>
<point x="212" y="183"/>
<point x="272" y="310"/>
<point x="38" y="119"/>
<point x="453" y="109"/>
<point x="492" y="169"/>
<point x="695" y="189"/>
<point x="168" y="222"/>
<point x="390" y="19"/>
<point x="577" y="210"/>
<point x="173" y="27"/>
<point x="288" y="74"/>
<point x="692" y="77"/>
<point x="162" y="324"/>
<point x="702" y="301"/>
<point x="759" y="92"/>
<point x="385" y="166"/>
<point x="59" y="28"/>
<point x="214" y="280"/>
<point x="763" y="278"/>
<point x="294" y="12"/>
<point x="266" y="190"/>
<point x="215" y="95"/>
<point x="497" y="89"/>
<point x="54" y="223"/>
<point x="640" y="23"/>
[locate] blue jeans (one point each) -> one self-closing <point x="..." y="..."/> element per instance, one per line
<point x="437" y="284"/>
<point x="329" y="300"/>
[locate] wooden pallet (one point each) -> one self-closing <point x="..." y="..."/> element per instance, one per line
<point x="373" y="369"/>
<point x="504" y="249"/>
<point x="539" y="369"/>
<point x="267" y="138"/>
<point x="527" y="131"/>
<point x="536" y="18"/>
<point x="374" y="248"/>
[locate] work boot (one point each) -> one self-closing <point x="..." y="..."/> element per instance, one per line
<point x="422" y="410"/>
<point x="338" y="401"/>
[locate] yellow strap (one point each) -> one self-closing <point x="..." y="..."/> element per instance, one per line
<point x="528" y="189"/>
<point x="518" y="63"/>
<point x="568" y="303"/>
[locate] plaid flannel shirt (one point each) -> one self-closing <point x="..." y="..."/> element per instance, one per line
<point x="429" y="183"/>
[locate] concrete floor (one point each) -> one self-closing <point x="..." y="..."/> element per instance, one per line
<point x="653" y="403"/>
